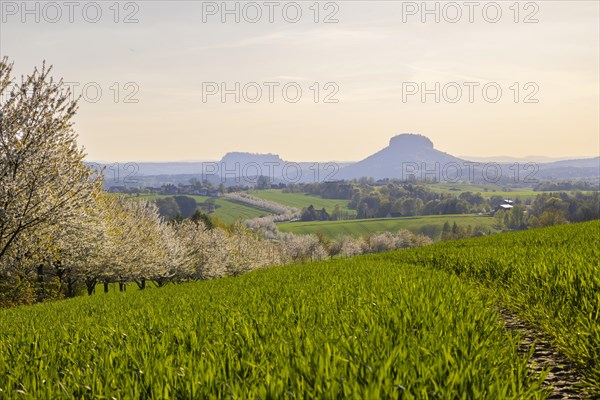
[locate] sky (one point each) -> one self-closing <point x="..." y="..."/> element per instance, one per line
<point x="317" y="81"/>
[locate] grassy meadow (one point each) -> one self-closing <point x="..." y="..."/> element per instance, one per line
<point x="360" y="227"/>
<point x="301" y="200"/>
<point x="410" y="324"/>
<point x="351" y="328"/>
<point x="227" y="211"/>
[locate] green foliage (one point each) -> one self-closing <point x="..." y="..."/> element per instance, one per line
<point x="199" y="216"/>
<point x="310" y="214"/>
<point x="367" y="328"/>
<point x="187" y="205"/>
<point x="25" y="289"/>
<point x="176" y="206"/>
<point x="15" y="290"/>
<point x="168" y="207"/>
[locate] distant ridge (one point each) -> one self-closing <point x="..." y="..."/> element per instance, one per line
<point x="242" y="157"/>
<point x="531" y="158"/>
<point x="406" y="154"/>
<point x="399" y="157"/>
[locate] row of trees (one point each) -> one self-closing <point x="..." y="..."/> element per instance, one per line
<point x="313" y="247"/>
<point x="371" y="200"/>
<point x="310" y="213"/>
<point x="549" y="209"/>
<point x="124" y="241"/>
<point x="172" y="207"/>
<point x="43" y="181"/>
<point x="60" y="232"/>
<point x="119" y="240"/>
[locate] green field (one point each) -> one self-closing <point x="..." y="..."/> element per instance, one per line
<point x="549" y="276"/>
<point x="360" y="227"/>
<point x="230" y="211"/>
<point x="351" y="329"/>
<point x="490" y="190"/>
<point x="227" y="211"/>
<point x="486" y="191"/>
<point x="410" y="324"/>
<point x="301" y="200"/>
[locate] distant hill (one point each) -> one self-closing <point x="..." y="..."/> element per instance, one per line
<point x="246" y="167"/>
<point x="407" y="154"/>
<point x="243" y="158"/>
<point x="404" y="153"/>
<point x="582" y="168"/>
<point x="411" y="153"/>
<point x="508" y="159"/>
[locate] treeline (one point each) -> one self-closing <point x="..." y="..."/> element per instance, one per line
<point x="344" y="246"/>
<point x="176" y="207"/>
<point x="372" y="200"/>
<point x="118" y="240"/>
<point x="397" y="199"/>
<point x="553" y="186"/>
<point x="548" y="209"/>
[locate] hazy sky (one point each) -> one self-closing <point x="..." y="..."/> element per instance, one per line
<point x="372" y="61"/>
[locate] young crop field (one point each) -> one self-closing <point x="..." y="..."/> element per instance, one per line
<point x="360" y="227"/>
<point x="302" y="200"/>
<point x="227" y="211"/>
<point x="550" y="277"/>
<point x="410" y="324"/>
<point x="366" y="328"/>
<point x="486" y="191"/>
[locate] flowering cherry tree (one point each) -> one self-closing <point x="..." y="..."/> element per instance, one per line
<point x="43" y="180"/>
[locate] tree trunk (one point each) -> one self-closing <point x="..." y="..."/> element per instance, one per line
<point x="105" y="286"/>
<point x="141" y="283"/>
<point x="90" y="285"/>
<point x="60" y="272"/>
<point x="70" y="288"/>
<point x="40" y="274"/>
<point x="122" y="286"/>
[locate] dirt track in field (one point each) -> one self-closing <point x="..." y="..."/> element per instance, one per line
<point x="563" y="379"/>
